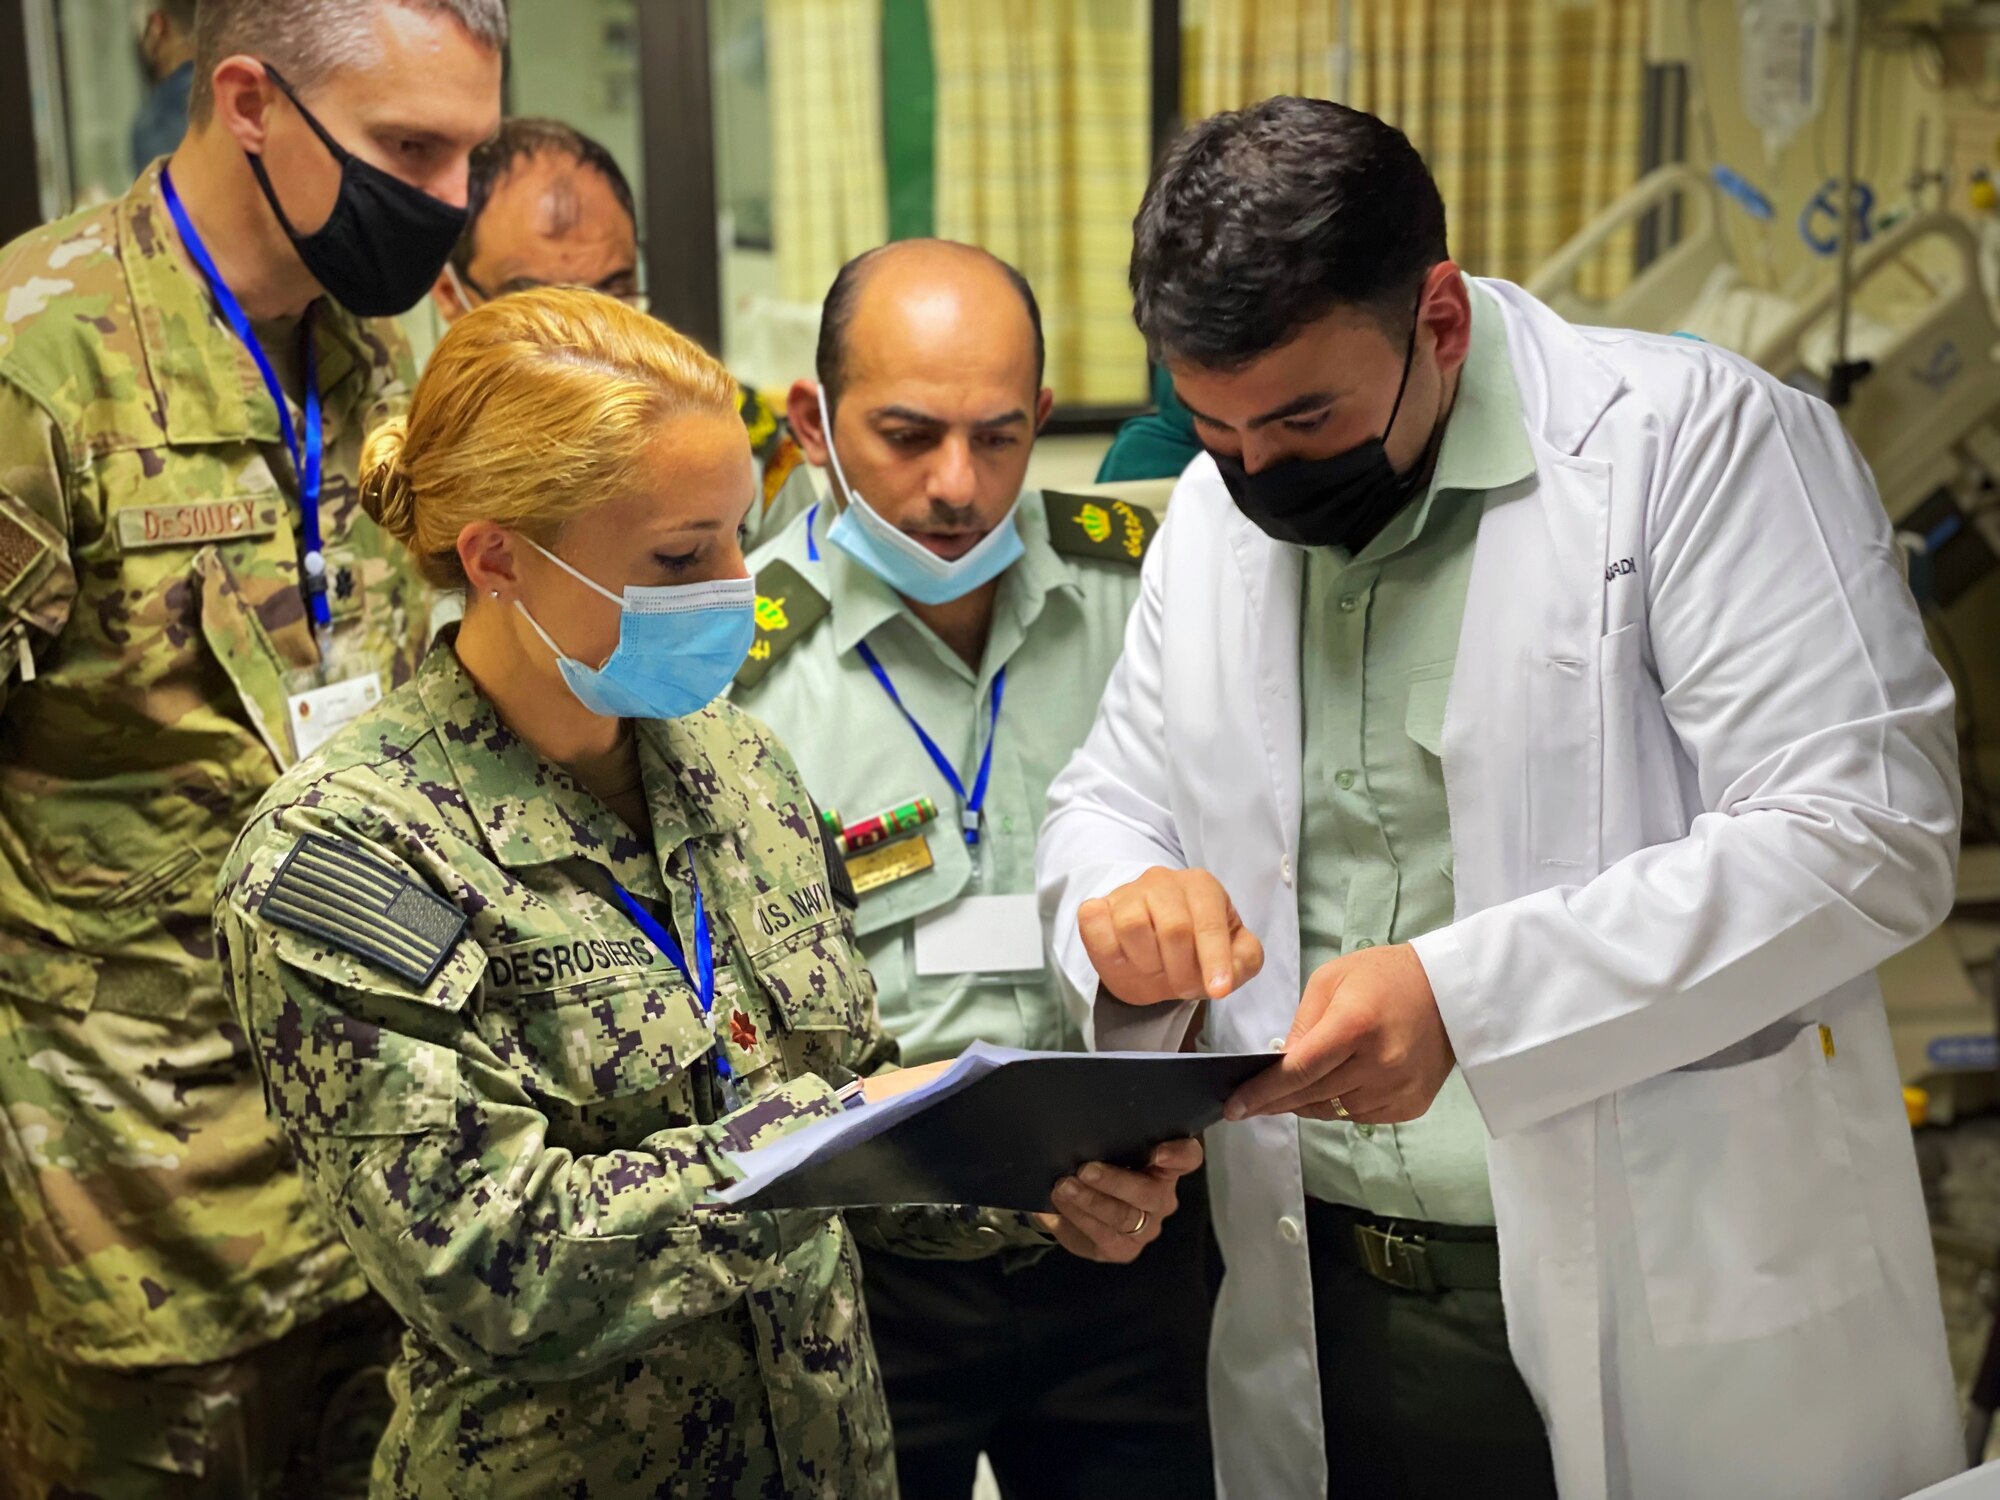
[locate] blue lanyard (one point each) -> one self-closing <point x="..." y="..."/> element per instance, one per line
<point x="701" y="978"/>
<point x="306" y="455"/>
<point x="969" y="806"/>
<point x="812" y="543"/>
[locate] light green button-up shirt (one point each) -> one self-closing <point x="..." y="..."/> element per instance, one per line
<point x="1058" y="627"/>
<point x="1379" y="640"/>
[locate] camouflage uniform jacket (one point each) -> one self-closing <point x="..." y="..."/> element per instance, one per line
<point x="150" y="627"/>
<point x="508" y="1100"/>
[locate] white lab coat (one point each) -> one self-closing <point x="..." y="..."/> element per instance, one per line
<point x="1702" y="779"/>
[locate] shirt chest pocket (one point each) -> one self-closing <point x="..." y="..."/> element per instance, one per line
<point x="581" y="1027"/>
<point x="821" y="995"/>
<point x="1423" y="711"/>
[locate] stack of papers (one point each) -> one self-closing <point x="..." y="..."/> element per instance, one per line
<point x="996" y="1130"/>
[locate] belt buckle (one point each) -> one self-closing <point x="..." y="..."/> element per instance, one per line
<point x="1390" y="1258"/>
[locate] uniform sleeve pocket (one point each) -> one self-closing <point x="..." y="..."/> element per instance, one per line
<point x="1745" y="1202"/>
<point x="332" y="1073"/>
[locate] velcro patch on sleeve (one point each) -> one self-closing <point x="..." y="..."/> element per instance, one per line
<point x="20" y="551"/>
<point x="365" y="907"/>
<point x="836" y="868"/>
<point x="1097" y="526"/>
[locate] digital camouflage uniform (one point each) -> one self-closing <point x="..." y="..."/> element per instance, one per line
<point x="150" y="629"/>
<point x="507" y="1098"/>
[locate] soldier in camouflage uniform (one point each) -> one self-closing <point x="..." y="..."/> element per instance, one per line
<point x="472" y="971"/>
<point x="176" y="1317"/>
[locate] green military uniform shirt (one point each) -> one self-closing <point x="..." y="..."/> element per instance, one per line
<point x="507" y="1097"/>
<point x="1058" y="627"/>
<point x="151" y="629"/>
<point x="1380" y="636"/>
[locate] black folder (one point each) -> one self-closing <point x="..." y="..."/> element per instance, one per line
<point x="1003" y="1137"/>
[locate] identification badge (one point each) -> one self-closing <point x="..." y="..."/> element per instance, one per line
<point x="981" y="935"/>
<point x="320" y="713"/>
<point x="888" y="863"/>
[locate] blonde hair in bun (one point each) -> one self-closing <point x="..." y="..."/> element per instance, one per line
<point x="535" y="408"/>
<point x="386" y="493"/>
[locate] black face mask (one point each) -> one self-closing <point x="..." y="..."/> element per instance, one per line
<point x="1341" y="501"/>
<point x="385" y="242"/>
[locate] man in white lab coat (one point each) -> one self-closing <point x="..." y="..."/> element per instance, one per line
<point x="1526" y="731"/>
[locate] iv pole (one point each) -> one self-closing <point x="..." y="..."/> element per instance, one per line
<point x="1846" y="372"/>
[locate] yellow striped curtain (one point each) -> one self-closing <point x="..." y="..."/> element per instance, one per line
<point x="829" y="198"/>
<point x="1528" y="111"/>
<point x="1239" y="51"/>
<point x="1042" y="152"/>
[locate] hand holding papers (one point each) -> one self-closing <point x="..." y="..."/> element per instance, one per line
<point x="998" y="1129"/>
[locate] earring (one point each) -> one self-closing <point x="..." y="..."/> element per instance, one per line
<point x="496" y="593"/>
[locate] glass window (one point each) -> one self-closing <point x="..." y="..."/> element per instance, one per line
<point x="578" y="62"/>
<point x="93" y="83"/>
<point x="1024" y="128"/>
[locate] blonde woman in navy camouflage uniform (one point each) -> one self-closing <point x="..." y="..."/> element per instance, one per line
<point x="525" y="950"/>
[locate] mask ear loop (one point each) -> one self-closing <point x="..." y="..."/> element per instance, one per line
<point x="459" y="288"/>
<point x="583" y="578"/>
<point x="1409" y="360"/>
<point x="832" y="453"/>
<point x="340" y="152"/>
<point x="547" y="639"/>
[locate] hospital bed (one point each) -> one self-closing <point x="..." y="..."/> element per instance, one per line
<point x="1927" y="417"/>
<point x="1694" y="286"/>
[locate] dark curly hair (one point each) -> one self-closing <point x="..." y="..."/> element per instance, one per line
<point x="1262" y="220"/>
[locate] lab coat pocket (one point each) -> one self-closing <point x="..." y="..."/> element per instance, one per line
<point x="1745" y="1201"/>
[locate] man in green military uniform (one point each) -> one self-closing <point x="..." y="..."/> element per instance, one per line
<point x="189" y="597"/>
<point x="935" y="636"/>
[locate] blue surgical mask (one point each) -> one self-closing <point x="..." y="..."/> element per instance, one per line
<point x="904" y="563"/>
<point x="678" y="646"/>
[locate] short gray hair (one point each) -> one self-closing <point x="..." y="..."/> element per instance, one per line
<point x="307" y="40"/>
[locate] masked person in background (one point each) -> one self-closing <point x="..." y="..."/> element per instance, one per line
<point x="166" y="58"/>
<point x="501" y="951"/>
<point x="189" y="596"/>
<point x="936" y="635"/>
<point x="549" y="206"/>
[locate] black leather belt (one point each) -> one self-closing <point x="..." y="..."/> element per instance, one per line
<point x="1408" y="1254"/>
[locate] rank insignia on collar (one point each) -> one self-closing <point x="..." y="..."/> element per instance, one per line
<point x="742" y="1031"/>
<point x="1100" y="527"/>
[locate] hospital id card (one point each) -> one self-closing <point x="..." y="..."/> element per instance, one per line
<point x="981" y="935"/>
<point x="320" y="713"/>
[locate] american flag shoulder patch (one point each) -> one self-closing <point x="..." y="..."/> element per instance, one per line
<point x="364" y="906"/>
